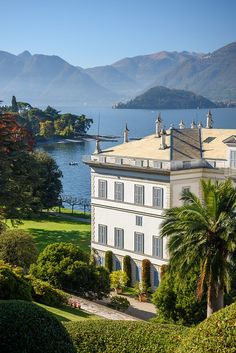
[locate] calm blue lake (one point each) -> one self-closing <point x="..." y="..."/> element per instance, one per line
<point x="76" y="179"/>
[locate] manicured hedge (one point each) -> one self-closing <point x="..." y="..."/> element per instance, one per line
<point x="13" y="286"/>
<point x="217" y="334"/>
<point x="124" y="336"/>
<point x="127" y="268"/>
<point x="109" y="261"/>
<point x="27" y="328"/>
<point x="45" y="293"/>
<point x="146" y="273"/>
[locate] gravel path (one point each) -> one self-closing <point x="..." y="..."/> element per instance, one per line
<point x="102" y="310"/>
<point x="137" y="311"/>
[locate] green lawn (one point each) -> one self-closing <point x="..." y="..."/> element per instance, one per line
<point x="66" y="313"/>
<point x="49" y="229"/>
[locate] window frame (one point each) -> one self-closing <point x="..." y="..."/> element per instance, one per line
<point x="161" y="197"/>
<point x="139" y="198"/>
<point x="118" y="233"/>
<point x="139" y="242"/>
<point x="102" y="235"/>
<point x="157" y="247"/>
<point x="137" y="219"/>
<point x="120" y="183"/>
<point x="232" y="161"/>
<point x="102" y="192"/>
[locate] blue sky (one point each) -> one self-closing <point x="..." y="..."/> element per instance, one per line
<point x="99" y="32"/>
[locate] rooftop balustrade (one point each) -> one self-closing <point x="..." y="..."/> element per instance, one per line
<point x="148" y="163"/>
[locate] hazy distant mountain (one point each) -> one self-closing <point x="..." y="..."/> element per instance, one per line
<point x="131" y="75"/>
<point x="48" y="79"/>
<point x="165" y="98"/>
<point x="213" y="75"/>
<point x="43" y="79"/>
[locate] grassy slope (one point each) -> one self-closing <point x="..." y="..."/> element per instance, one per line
<point x="50" y="229"/>
<point x="66" y="313"/>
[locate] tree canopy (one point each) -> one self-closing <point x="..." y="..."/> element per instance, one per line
<point x="202" y="233"/>
<point x="30" y="181"/>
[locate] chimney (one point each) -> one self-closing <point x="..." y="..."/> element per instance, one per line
<point x="158" y="125"/>
<point x="163" y="139"/>
<point x="181" y="125"/>
<point x="209" y="124"/>
<point x="97" y="148"/>
<point x="193" y="124"/>
<point x="200" y="125"/>
<point x="126" y="134"/>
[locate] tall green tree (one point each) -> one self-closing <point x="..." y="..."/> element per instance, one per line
<point x="14" y="106"/>
<point x="202" y="233"/>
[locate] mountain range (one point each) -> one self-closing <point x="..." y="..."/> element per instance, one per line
<point x="44" y="79"/>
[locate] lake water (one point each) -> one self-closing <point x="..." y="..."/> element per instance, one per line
<point x="76" y="179"/>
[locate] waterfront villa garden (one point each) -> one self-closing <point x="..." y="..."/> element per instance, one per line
<point x="45" y="260"/>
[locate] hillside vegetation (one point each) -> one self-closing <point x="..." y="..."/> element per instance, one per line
<point x="164" y="98"/>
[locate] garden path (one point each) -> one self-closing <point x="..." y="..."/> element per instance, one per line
<point x="98" y="309"/>
<point x="136" y="311"/>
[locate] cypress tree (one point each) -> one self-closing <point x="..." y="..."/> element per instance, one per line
<point x="127" y="268"/>
<point x="14" y="105"/>
<point x="109" y="261"/>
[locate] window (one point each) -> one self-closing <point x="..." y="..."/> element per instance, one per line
<point x="139" y="194"/>
<point x="155" y="278"/>
<point x="102" y="189"/>
<point x="139" y="221"/>
<point x="232" y="159"/>
<point x="119" y="238"/>
<point x="117" y="265"/>
<point x="102" y="234"/>
<point x="119" y="191"/>
<point x="158" y="197"/>
<point x="157" y="247"/>
<point x="101" y="261"/>
<point x="185" y="188"/>
<point x="139" y="242"/>
<point x="137" y="273"/>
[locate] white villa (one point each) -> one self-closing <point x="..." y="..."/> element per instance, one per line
<point x="134" y="182"/>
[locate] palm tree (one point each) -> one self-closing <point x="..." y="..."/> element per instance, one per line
<point x="202" y="233"/>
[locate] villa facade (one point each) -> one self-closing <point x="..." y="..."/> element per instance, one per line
<point x="133" y="183"/>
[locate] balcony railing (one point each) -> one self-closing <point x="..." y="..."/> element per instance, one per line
<point x="148" y="163"/>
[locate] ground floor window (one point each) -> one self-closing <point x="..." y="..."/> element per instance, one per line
<point x="137" y="273"/>
<point x="117" y="265"/>
<point x="156" y="280"/>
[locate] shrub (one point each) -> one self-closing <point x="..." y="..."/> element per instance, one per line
<point x="176" y="300"/>
<point x="119" y="303"/>
<point x="215" y="334"/>
<point x="109" y="261"/>
<point x="127" y="268"/>
<point x="12" y="286"/>
<point x="146" y="275"/>
<point x="118" y="280"/>
<point x="124" y="336"/>
<point x="17" y="248"/>
<point x="45" y="293"/>
<point x="27" y="328"/>
<point x="67" y="267"/>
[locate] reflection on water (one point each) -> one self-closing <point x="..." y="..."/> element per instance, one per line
<point x="76" y="179"/>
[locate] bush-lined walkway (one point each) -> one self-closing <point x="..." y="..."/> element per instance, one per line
<point x="98" y="309"/>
